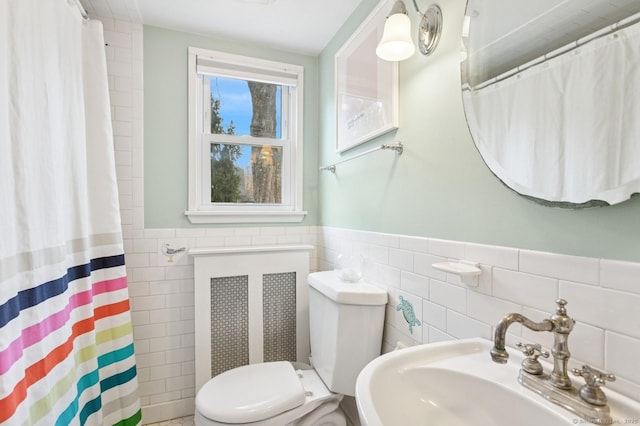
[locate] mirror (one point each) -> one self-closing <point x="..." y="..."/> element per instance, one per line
<point x="551" y="94"/>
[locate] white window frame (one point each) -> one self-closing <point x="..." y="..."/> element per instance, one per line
<point x="200" y="209"/>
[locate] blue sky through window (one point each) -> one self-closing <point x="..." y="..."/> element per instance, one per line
<point x="235" y="105"/>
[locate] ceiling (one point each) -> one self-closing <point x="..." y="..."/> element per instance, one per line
<point x="300" y="26"/>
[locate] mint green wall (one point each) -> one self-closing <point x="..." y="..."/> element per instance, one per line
<point x="440" y="186"/>
<point x="165" y="121"/>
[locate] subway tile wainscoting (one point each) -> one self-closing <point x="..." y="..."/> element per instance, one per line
<point x="603" y="295"/>
<point x="604" y="304"/>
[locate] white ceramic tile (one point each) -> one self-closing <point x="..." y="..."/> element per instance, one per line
<point x="525" y="289"/>
<point x="503" y="257"/>
<point x="147" y="274"/>
<point x="149" y="331"/>
<point x="572" y="268"/>
<point x="188" y="340"/>
<point x="414" y="284"/>
<point x="179" y="272"/>
<point x="436" y="335"/>
<point x="388" y="276"/>
<point x="434" y="315"/>
<point x="188" y="368"/>
<point x="444" y="248"/>
<point x="416" y="244"/>
<point x="157" y="316"/>
<point x="180" y="327"/>
<point x="422" y="265"/>
<point x="150" y="359"/>
<point x="621" y="356"/>
<point x="485" y="280"/>
<point x="271" y="230"/>
<point x="392" y="336"/>
<point x="387" y="240"/>
<point x="586" y="343"/>
<point x="390" y="309"/>
<point x="181" y="382"/>
<point x="159" y="233"/>
<point x="379" y="254"/>
<point x="164" y="371"/>
<point x="488" y="309"/>
<point x="249" y="231"/>
<point x="187" y="313"/>
<point x="153" y="387"/>
<point x="463" y="327"/>
<point x="120" y="69"/>
<point x="137" y="289"/>
<point x="209" y="242"/>
<point x="145" y="303"/>
<point x="448" y="295"/>
<point x="179" y="300"/>
<point x="219" y="232"/>
<point x="425" y="333"/>
<point x="120" y="98"/>
<point x="122" y="129"/>
<point x="610" y="309"/>
<point x="180" y="355"/>
<point x="163" y="397"/>
<point x="263" y="240"/>
<point x="401" y="259"/>
<point x="237" y="241"/>
<point x="288" y="239"/>
<point x="140" y="317"/>
<point x="619" y="275"/>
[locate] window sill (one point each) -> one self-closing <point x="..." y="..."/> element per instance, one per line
<point x="245" y="217"/>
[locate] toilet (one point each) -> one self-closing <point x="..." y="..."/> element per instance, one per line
<point x="346" y="322"/>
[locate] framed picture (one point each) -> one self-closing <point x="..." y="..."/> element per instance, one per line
<point x="366" y="86"/>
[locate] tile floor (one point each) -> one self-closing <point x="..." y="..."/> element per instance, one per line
<point x="182" y="421"/>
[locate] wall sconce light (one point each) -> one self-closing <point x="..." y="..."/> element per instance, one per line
<point x="396" y="43"/>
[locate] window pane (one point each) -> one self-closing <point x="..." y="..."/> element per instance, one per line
<point x="233" y="112"/>
<point x="246" y="174"/>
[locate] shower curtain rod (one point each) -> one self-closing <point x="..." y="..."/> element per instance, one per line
<point x="397" y="147"/>
<point x="81" y="9"/>
<point x="616" y="26"/>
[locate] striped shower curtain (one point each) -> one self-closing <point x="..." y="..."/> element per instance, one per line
<point x="66" y="346"/>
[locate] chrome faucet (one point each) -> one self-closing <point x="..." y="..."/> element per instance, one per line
<point x="559" y="323"/>
<point x="589" y="402"/>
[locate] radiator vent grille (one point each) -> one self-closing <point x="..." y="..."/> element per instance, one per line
<point x="279" y="316"/>
<point x="229" y="325"/>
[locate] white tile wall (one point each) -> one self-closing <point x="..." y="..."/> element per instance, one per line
<point x="603" y="296"/>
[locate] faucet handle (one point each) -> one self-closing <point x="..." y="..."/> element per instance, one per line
<point x="560" y="307"/>
<point x="533" y="351"/>
<point x="593" y="378"/>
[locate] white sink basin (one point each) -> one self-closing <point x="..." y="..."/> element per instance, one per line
<point x="456" y="383"/>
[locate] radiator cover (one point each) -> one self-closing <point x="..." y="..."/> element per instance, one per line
<point x="251" y="305"/>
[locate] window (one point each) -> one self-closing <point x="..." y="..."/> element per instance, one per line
<point x="245" y="139"/>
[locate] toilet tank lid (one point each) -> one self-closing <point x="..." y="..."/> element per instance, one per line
<point x="347" y="293"/>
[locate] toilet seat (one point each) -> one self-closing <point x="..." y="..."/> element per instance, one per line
<point x="271" y="393"/>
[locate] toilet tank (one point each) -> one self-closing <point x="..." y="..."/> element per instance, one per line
<point x="346" y="321"/>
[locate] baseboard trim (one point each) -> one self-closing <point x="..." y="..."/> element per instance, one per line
<point x="168" y="410"/>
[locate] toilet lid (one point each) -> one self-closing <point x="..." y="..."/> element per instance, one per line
<point x="251" y="393"/>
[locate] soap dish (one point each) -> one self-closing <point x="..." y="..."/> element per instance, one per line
<point x="467" y="271"/>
